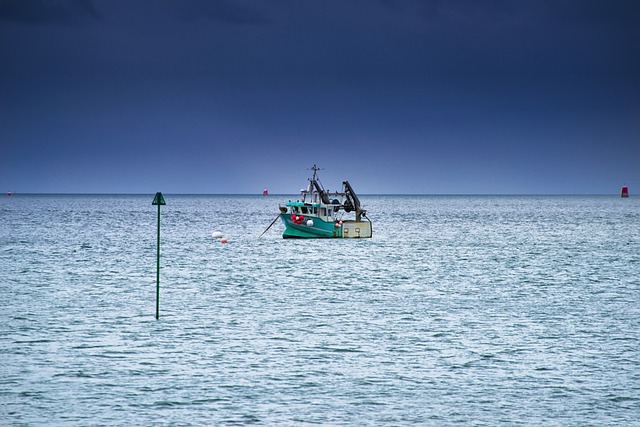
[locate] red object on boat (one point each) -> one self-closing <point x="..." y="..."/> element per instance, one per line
<point x="624" y="192"/>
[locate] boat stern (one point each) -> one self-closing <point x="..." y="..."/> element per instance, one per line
<point x="356" y="229"/>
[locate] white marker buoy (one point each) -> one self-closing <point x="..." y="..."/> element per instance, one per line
<point x="217" y="235"/>
<point x="310" y="223"/>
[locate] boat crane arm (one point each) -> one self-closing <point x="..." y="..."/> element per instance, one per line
<point x="352" y="202"/>
<point x="323" y="194"/>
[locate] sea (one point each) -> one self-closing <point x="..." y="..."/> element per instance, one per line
<point x="460" y="310"/>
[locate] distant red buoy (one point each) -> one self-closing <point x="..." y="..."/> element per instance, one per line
<point x="223" y="240"/>
<point x="625" y="191"/>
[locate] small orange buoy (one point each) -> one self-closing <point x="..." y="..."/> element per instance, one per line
<point x="223" y="240"/>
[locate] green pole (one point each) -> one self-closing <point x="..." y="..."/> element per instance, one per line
<point x="158" y="201"/>
<point x="158" y="271"/>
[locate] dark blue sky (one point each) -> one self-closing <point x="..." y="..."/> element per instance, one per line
<point x="398" y="96"/>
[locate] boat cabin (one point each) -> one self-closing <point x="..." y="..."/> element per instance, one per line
<point x="325" y="212"/>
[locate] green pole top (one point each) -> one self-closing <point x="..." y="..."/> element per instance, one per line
<point x="158" y="200"/>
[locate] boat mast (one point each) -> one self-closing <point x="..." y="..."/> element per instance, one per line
<point x="312" y="183"/>
<point x="319" y="194"/>
<point x="315" y="170"/>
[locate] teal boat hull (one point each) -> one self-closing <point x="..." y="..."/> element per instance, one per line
<point x="318" y="229"/>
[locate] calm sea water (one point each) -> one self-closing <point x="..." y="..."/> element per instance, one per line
<point x="459" y="311"/>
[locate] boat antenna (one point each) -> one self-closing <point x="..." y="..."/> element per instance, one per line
<point x="315" y="170"/>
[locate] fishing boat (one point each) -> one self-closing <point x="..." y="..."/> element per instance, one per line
<point x="321" y="214"/>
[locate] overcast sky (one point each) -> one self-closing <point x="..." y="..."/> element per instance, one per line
<point x="397" y="96"/>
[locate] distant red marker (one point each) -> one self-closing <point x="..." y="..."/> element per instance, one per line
<point x="624" y="192"/>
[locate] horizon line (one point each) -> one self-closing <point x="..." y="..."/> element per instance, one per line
<point x="13" y="193"/>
